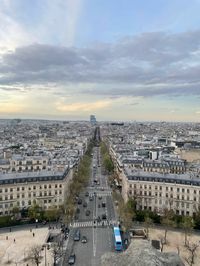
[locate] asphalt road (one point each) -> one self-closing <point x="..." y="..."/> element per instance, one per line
<point x="99" y="232"/>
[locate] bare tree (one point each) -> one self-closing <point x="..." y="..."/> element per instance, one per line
<point x="162" y="242"/>
<point x="192" y="250"/>
<point x="56" y="252"/>
<point x="167" y="222"/>
<point x="147" y="223"/>
<point x="187" y="225"/>
<point x="35" y="254"/>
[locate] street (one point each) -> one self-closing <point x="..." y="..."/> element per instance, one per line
<point x="94" y="218"/>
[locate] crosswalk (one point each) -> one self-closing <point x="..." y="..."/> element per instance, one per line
<point x="91" y="224"/>
<point x="102" y="193"/>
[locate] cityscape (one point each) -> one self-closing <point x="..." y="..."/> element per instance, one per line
<point x="99" y="133"/>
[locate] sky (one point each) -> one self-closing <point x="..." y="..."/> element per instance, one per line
<point x="124" y="60"/>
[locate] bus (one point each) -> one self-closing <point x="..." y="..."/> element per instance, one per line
<point x="117" y="239"/>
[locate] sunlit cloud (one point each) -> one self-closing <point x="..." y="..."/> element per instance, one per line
<point x="83" y="107"/>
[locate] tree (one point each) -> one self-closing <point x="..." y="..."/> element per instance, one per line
<point x="52" y="214"/>
<point x="56" y="252"/>
<point x="192" y="250"/>
<point x="35" y="254"/>
<point x="167" y="222"/>
<point x="187" y="225"/>
<point x="35" y="212"/>
<point x="147" y="223"/>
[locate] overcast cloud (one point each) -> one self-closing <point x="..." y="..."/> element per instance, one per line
<point x="148" y="64"/>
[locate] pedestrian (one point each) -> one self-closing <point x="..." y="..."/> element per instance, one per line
<point x="14" y="240"/>
<point x="6" y="237"/>
<point x="30" y="229"/>
<point x="33" y="234"/>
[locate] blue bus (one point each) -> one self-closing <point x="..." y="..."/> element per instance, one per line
<point x="117" y="239"/>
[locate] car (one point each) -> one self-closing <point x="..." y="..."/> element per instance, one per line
<point x="79" y="201"/>
<point x="100" y="197"/>
<point x="102" y="189"/>
<point x="72" y="259"/>
<point x="98" y="219"/>
<point x="77" y="235"/>
<point x="103" y="204"/>
<point x="103" y="216"/>
<point x="99" y="205"/>
<point x="87" y="213"/>
<point x="90" y="197"/>
<point x="84" y="239"/>
<point x="87" y="194"/>
<point x="85" y="204"/>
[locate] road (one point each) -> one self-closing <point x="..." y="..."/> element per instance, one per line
<point x="96" y="228"/>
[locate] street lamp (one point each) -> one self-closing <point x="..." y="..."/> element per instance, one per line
<point x="44" y="247"/>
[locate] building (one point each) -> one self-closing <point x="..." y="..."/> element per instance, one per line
<point x="157" y="192"/>
<point x="47" y="188"/>
<point x="93" y="120"/>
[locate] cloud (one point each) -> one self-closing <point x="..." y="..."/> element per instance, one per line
<point x="83" y="107"/>
<point x="147" y="65"/>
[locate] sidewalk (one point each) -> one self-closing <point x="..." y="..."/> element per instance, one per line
<point x="15" y="246"/>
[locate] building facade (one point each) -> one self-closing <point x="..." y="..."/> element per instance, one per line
<point x="20" y="190"/>
<point x="157" y="192"/>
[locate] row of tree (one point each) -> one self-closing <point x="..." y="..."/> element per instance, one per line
<point x="78" y="183"/>
<point x="106" y="159"/>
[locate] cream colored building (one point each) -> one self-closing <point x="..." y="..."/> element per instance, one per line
<point x="47" y="188"/>
<point x="156" y="192"/>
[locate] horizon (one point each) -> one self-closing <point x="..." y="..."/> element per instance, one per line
<point x="65" y="59"/>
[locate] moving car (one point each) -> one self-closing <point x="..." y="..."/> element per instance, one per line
<point x="87" y="194"/>
<point x="84" y="239"/>
<point x="79" y="201"/>
<point x="103" y="204"/>
<point x="72" y="259"/>
<point x="87" y="213"/>
<point x="104" y="216"/>
<point x="85" y="204"/>
<point x="77" y="235"/>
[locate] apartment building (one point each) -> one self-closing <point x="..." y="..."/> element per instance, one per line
<point x="47" y="188"/>
<point x="156" y="192"/>
<point x="28" y="163"/>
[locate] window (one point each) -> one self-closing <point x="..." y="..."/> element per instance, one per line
<point x="178" y="189"/>
<point x="34" y="187"/>
<point x="11" y="189"/>
<point x="11" y="196"/>
<point x="183" y="190"/>
<point x="195" y="191"/>
<point x="17" y="188"/>
<point x="6" y="190"/>
<point x="188" y="191"/>
<point x="22" y="188"/>
<point x="60" y="186"/>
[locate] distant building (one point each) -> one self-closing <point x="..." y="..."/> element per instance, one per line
<point x="93" y="120"/>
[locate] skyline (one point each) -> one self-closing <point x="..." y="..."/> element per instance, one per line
<point x="121" y="61"/>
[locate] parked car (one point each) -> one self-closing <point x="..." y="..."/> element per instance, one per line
<point x="87" y="194"/>
<point x="72" y="259"/>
